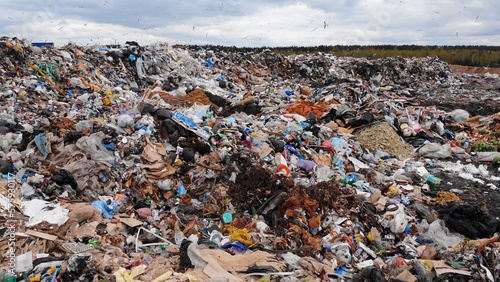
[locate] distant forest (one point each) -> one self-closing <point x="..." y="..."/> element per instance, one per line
<point x="480" y="56"/>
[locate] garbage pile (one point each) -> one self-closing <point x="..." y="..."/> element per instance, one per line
<point x="155" y="163"/>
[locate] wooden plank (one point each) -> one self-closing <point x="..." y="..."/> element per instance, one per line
<point x="41" y="235"/>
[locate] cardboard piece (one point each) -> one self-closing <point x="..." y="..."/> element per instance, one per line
<point x="441" y="271"/>
<point x="130" y="221"/>
<point x="154" y="167"/>
<point x="442" y="267"/>
<point x="406" y="276"/>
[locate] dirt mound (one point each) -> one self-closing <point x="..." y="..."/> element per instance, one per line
<point x="198" y="96"/>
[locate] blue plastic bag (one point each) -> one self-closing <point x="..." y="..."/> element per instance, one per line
<point x="106" y="210"/>
<point x="41" y="142"/>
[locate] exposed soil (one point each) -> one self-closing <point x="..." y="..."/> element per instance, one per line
<point x="472" y="192"/>
<point x="474" y="107"/>
<point x="475" y="70"/>
<point x="198" y="97"/>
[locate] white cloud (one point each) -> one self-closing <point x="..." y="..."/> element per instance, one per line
<point x="256" y="23"/>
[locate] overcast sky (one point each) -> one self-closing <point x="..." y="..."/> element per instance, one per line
<point x="254" y="23"/>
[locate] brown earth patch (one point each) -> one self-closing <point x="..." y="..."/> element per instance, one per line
<point x="474" y="70"/>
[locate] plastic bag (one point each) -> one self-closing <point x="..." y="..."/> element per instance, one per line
<point x="106" y="210"/>
<point x="84" y="125"/>
<point x="459" y="115"/>
<point x="307" y="165"/>
<point x="438" y="233"/>
<point x="92" y="146"/>
<point x="195" y="256"/>
<point x="290" y="258"/>
<point x="39" y="211"/>
<point x="41" y="143"/>
<point x="435" y="150"/>
<point x="125" y="121"/>
<point x="86" y="174"/>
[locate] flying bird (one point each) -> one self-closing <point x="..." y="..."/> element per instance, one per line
<point x="325" y="25"/>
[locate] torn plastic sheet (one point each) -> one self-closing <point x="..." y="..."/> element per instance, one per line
<point x="358" y="164"/>
<point x="469" y="176"/>
<point x="39" y="211"/>
<point x="189" y="124"/>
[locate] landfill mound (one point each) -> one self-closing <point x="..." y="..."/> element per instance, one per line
<point x="154" y="163"/>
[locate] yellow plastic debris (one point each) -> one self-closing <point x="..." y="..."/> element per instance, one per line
<point x="163" y="277"/>
<point x="427" y="264"/>
<point x="106" y="101"/>
<point x="36" y="278"/>
<point x="123" y="275"/>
